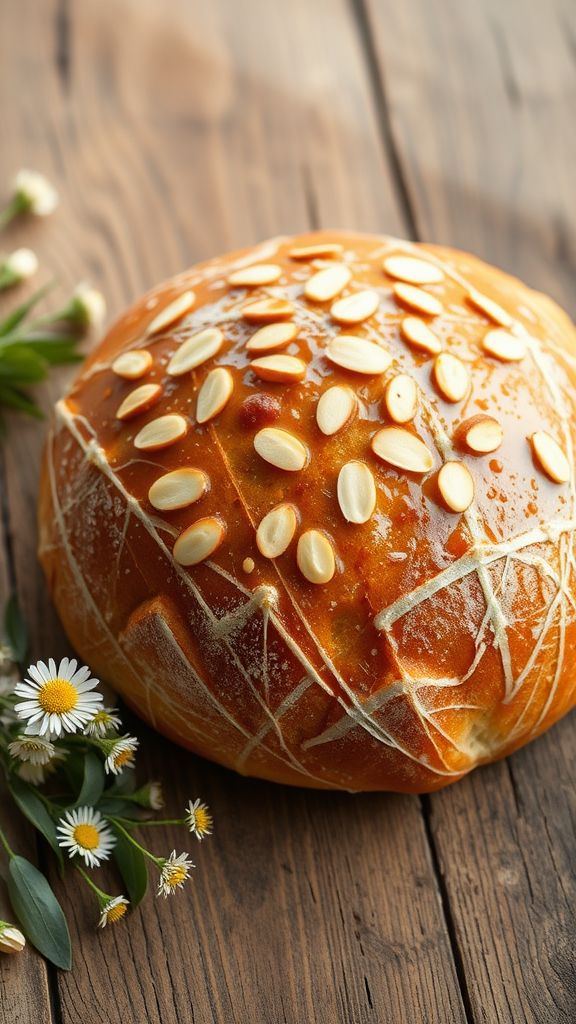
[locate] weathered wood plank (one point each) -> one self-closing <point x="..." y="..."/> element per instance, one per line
<point x="480" y="100"/>
<point x="189" y="131"/>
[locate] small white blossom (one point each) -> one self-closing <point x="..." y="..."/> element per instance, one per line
<point x="105" y="720"/>
<point x="58" y="700"/>
<point x="156" y="796"/>
<point x="35" y="749"/>
<point x="121" y="755"/>
<point x="198" y="819"/>
<point x="11" y="938"/>
<point x="35" y="193"/>
<point x="18" y="266"/>
<point x="87" y="306"/>
<point x="175" y="870"/>
<point x="84" y="831"/>
<point x="112" y="910"/>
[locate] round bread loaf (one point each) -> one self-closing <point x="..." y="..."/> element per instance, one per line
<point x="310" y="508"/>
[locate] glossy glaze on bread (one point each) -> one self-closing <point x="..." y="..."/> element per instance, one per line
<point x="310" y="508"/>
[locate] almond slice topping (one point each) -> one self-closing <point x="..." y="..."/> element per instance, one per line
<point x="452" y="377"/>
<point x="266" y="310"/>
<point x="418" y="334"/>
<point x="276" y="531"/>
<point x="356" y="308"/>
<point x="315" y="557"/>
<point x="178" y="489"/>
<point x="412" y="270"/>
<point x="327" y="284"/>
<point x="490" y="308"/>
<point x="199" y="541"/>
<point x="133" y="364"/>
<point x="456" y="485"/>
<point x="417" y="299"/>
<point x="335" y="407"/>
<point x="272" y="336"/>
<point x="358" y="354"/>
<point x="195" y="351"/>
<point x="402" y="449"/>
<point x="507" y="347"/>
<point x="481" y="434"/>
<point x="257" y="273"/>
<point x="171" y="313"/>
<point x="214" y="393"/>
<point x="138" y="401"/>
<point x="281" y="449"/>
<point x="161" y="432"/>
<point x="312" y="252"/>
<point x="401" y="398"/>
<point x="356" y="492"/>
<point x="281" y="369"/>
<point x="550" y="457"/>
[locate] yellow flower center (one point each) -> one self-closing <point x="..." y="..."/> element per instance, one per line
<point x="202" y="820"/>
<point x="176" y="876"/>
<point x="115" y="913"/>
<point x="123" y="757"/>
<point x="87" y="836"/>
<point x="57" y="696"/>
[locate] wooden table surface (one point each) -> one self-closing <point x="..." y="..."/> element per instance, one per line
<point x="177" y="129"/>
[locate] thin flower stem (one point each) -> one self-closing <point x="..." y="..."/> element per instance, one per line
<point x="157" y="860"/>
<point x="6" y="844"/>
<point x="163" y="821"/>
<point x="10" y="211"/>
<point x="91" y="884"/>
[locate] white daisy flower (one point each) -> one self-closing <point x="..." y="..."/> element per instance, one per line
<point x="35" y="749"/>
<point x="121" y="755"/>
<point x="175" y="870"/>
<point x="156" y="796"/>
<point x="34" y="193"/>
<point x="11" y="938"/>
<point x="58" y="700"/>
<point x="84" y="832"/>
<point x="112" y="910"/>
<point x="18" y="266"/>
<point x="104" y="721"/>
<point x="198" y="819"/>
<point x="36" y="774"/>
<point x="87" y="307"/>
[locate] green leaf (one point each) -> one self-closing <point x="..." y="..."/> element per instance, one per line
<point x="132" y="866"/>
<point x="55" y="352"/>
<point x="20" y="365"/>
<point x="123" y="783"/>
<point x="39" y="912"/>
<point x="18" y="315"/>
<point x="32" y="808"/>
<point x="18" y="400"/>
<point x="15" y="629"/>
<point x="92" y="782"/>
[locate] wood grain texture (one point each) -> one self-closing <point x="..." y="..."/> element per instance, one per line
<point x="190" y="131"/>
<point x="479" y="97"/>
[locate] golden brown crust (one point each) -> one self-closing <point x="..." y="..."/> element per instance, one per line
<point x="414" y="622"/>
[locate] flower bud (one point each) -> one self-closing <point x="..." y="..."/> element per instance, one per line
<point x="18" y="266"/>
<point x="87" y="307"/>
<point x="34" y="193"/>
<point x="11" y="938"/>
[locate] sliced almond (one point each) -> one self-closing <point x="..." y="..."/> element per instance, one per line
<point x="276" y="531"/>
<point x="214" y="393"/>
<point x="355" y="308"/>
<point x="315" y="557"/>
<point x="412" y="270"/>
<point x="481" y="434"/>
<point x="452" y="377"/>
<point x="171" y="313"/>
<point x="358" y="355"/>
<point x="335" y="407"/>
<point x="417" y="299"/>
<point x="401" y="398"/>
<point x="199" y="541"/>
<point x="161" y="432"/>
<point x="178" y="489"/>
<point x="418" y="334"/>
<point x="272" y="336"/>
<point x="503" y="345"/>
<point x="281" y="369"/>
<point x="138" y="401"/>
<point x="402" y="449"/>
<point x="327" y="284"/>
<point x="490" y="308"/>
<point x="356" y="492"/>
<point x="133" y="364"/>
<point x="268" y="310"/>
<point x="195" y="351"/>
<point x="312" y="252"/>
<point x="256" y="274"/>
<point x="456" y="485"/>
<point x="281" y="449"/>
<point x="550" y="457"/>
